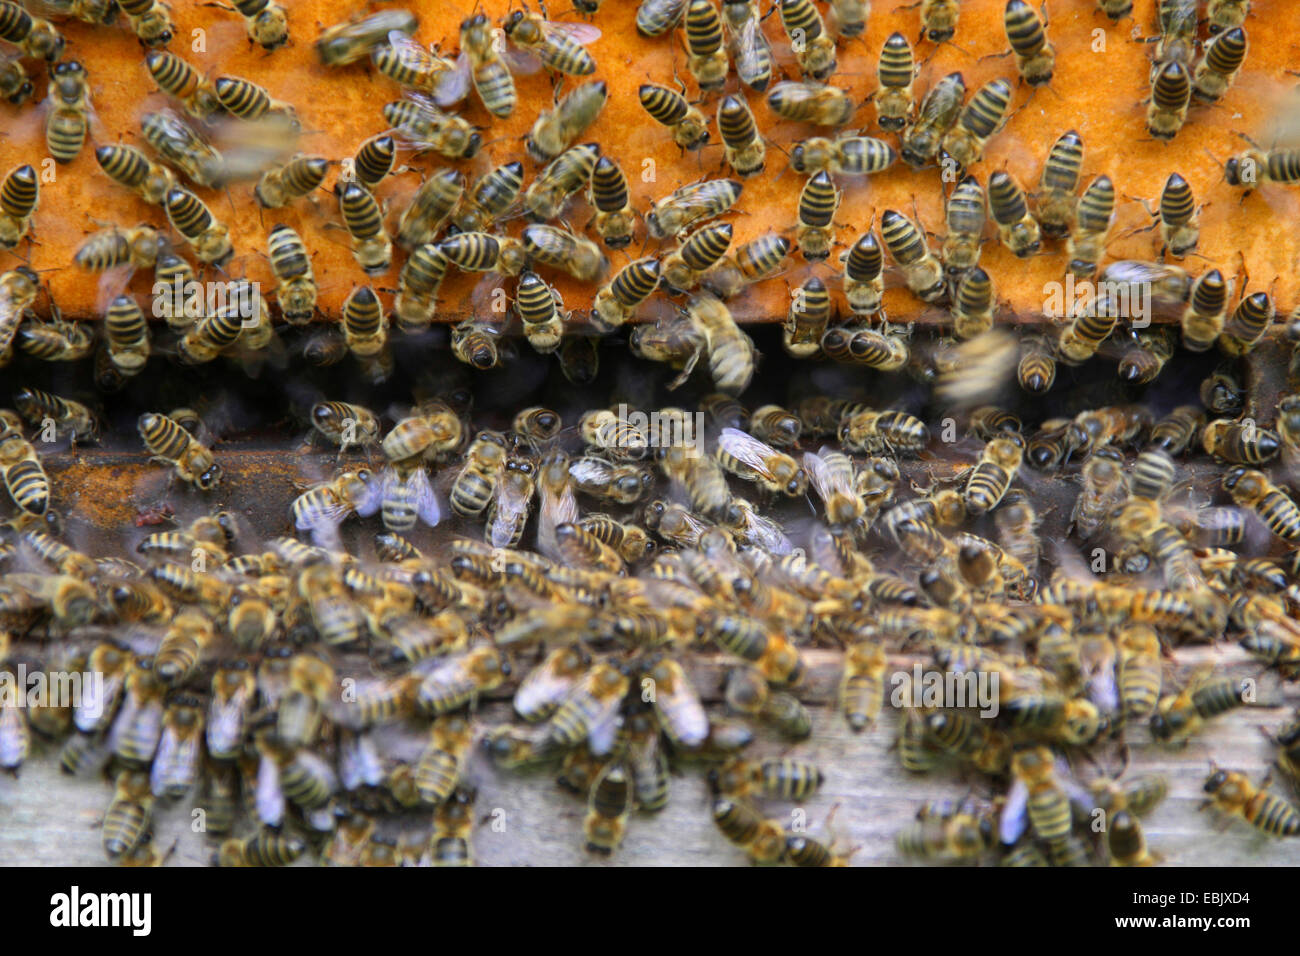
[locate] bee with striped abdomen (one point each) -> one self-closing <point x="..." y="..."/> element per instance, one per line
<point x="669" y="108"/>
<point x="68" y="121"/>
<point x="936" y="116"/>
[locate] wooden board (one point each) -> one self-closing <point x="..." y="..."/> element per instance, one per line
<point x="50" y="818"/>
<point x="1100" y="81"/>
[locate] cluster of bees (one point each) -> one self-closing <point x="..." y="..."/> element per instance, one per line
<point x="226" y="656"/>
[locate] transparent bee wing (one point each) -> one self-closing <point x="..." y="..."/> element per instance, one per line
<point x="268" y="798"/>
<point x="1015" y="817"/>
<point x="603" y="732"/>
<point x="175" y="766"/>
<point x="359" y="761"/>
<point x="826" y="481"/>
<point x="590" y="471"/>
<point x="683" y="713"/>
<point x="96" y="700"/>
<point x="316" y="515"/>
<point x="753" y="53"/>
<point x="225" y="728"/>
<point x="511" y="507"/>
<point x="450" y="85"/>
<point x="747" y="450"/>
<point x="541" y="691"/>
<point x="582" y="33"/>
<point x="521" y="62"/>
<point x="765" y="533"/>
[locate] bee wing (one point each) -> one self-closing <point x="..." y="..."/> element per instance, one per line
<point x="510" y="506"/>
<point x="225" y="729"/>
<point x="826" y="481"/>
<point x="582" y="33"/>
<point x="1015" y="817"/>
<point x="317" y="515"/>
<point x="554" y="511"/>
<point x="541" y="691"/>
<point x="426" y="499"/>
<point x="15" y="737"/>
<point x="747" y="450"/>
<point x="451" y="85"/>
<point x="604" y="727"/>
<point x="359" y="762"/>
<point x="268" y="798"/>
<point x="682" y="713"/>
<point x="766" y="533"/>
<point x="112" y="283"/>
<point x="96" y="701"/>
<point x="590" y="471"/>
<point x="749" y="47"/>
<point x="174" y="765"/>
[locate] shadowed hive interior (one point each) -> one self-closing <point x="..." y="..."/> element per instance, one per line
<point x="110" y="494"/>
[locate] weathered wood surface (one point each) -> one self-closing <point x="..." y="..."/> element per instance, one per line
<point x="47" y="818"/>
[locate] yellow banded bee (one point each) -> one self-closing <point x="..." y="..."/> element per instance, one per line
<point x="937" y="114"/>
<point x="541" y="311"/>
<point x="706" y="55"/>
<point x="491" y="77"/>
<point x="68" y="122"/>
<point x="813" y="46"/>
<point x="265" y="21"/>
<point x="192" y="461"/>
<point x="1087" y="242"/>
<point x="743" y="146"/>
<point x="180" y="79"/>
<point x="15" y="85"/>
<point x="191" y="217"/>
<point x="864" y="284"/>
<point x="896" y="72"/>
<point x="430" y="208"/>
<point x="1057" y="185"/>
<point x="1171" y="92"/>
<point x="616" y="302"/>
<point x="814" y="103"/>
<point x="150" y="19"/>
<point x="747" y="43"/>
<point x="979" y="120"/>
<point x="562" y="177"/>
<point x="555" y="130"/>
<point x="690" y="205"/>
<point x="846" y="156"/>
<point x="993" y="474"/>
<point x="816" y="210"/>
<point x="1035" y="55"/>
<point x="1223" y="58"/>
<point x="34" y="37"/>
<point x="1010" y="213"/>
<point x="965" y="216"/>
<point x="346" y="43"/>
<point x="560" y="46"/>
<point x="669" y="108"/>
<point x="363" y="219"/>
<point x="907" y="246"/>
<point x="282" y="185"/>
<point x="177" y="142"/>
<point x="19" y="194"/>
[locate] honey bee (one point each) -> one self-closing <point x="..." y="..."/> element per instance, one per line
<point x="1224" y="55"/>
<point x="556" y="129"/>
<point x="191" y="633"/>
<point x="346" y="43"/>
<point x="813" y="46"/>
<point x="896" y="72"/>
<point x="816" y="211"/>
<point x="743" y="147"/>
<point x="68" y="416"/>
<point x="427" y="128"/>
<point x="15" y="85"/>
<point x="671" y="109"/>
<point x="1038" y="795"/>
<point x="937" y="114"/>
<point x="993" y="474"/>
<point x="34" y="37"/>
<point x="949" y="831"/>
<point x="691" y="205"/>
<point x="481" y="252"/>
<point x="1252" y="489"/>
<point x="266" y="22"/>
<point x="1171" y="92"/>
<point x="1224" y="15"/>
<point x="129" y="814"/>
<point x="973" y="304"/>
<point x="19" y="195"/>
<point x="771" y="654"/>
<point x="564" y="176"/>
<point x="747" y="43"/>
<point x="176" y="764"/>
<point x="730" y="351"/>
<point x="1256" y="167"/>
<point x="831" y="475"/>
<point x="751" y="262"/>
<point x="560" y="46"/>
<point x="1233" y="794"/>
<point x="410" y="65"/>
<point x="656" y="17"/>
<point x="619" y="483"/>
<point x="68" y="121"/>
<point x="1034" y="53"/>
<point x="1087" y="242"/>
<point x="1060" y="179"/>
<point x="267" y="847"/>
<point x="190" y="216"/>
<point x="762" y="840"/>
<point x="192" y="461"/>
<point x="591" y="711"/>
<point x="677" y="705"/>
<point x="939" y="19"/>
<point x="746" y="457"/>
<point x="177" y="142"/>
<point x="846" y="156"/>
<point x="442" y="762"/>
<point x="907" y="246"/>
<point x="561" y="249"/>
<point x="1178" y="717"/>
<point x="864" y="283"/>
<point x="862" y="684"/>
<point x="1241" y="443"/>
<point x="1017" y="229"/>
<point x="617" y="302"/>
<point x="491" y="77"/>
<point x="608" y="805"/>
<point x="978" y="121"/>
<point x="510" y="508"/>
<point x="814" y="103"/>
<point x="706" y="56"/>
